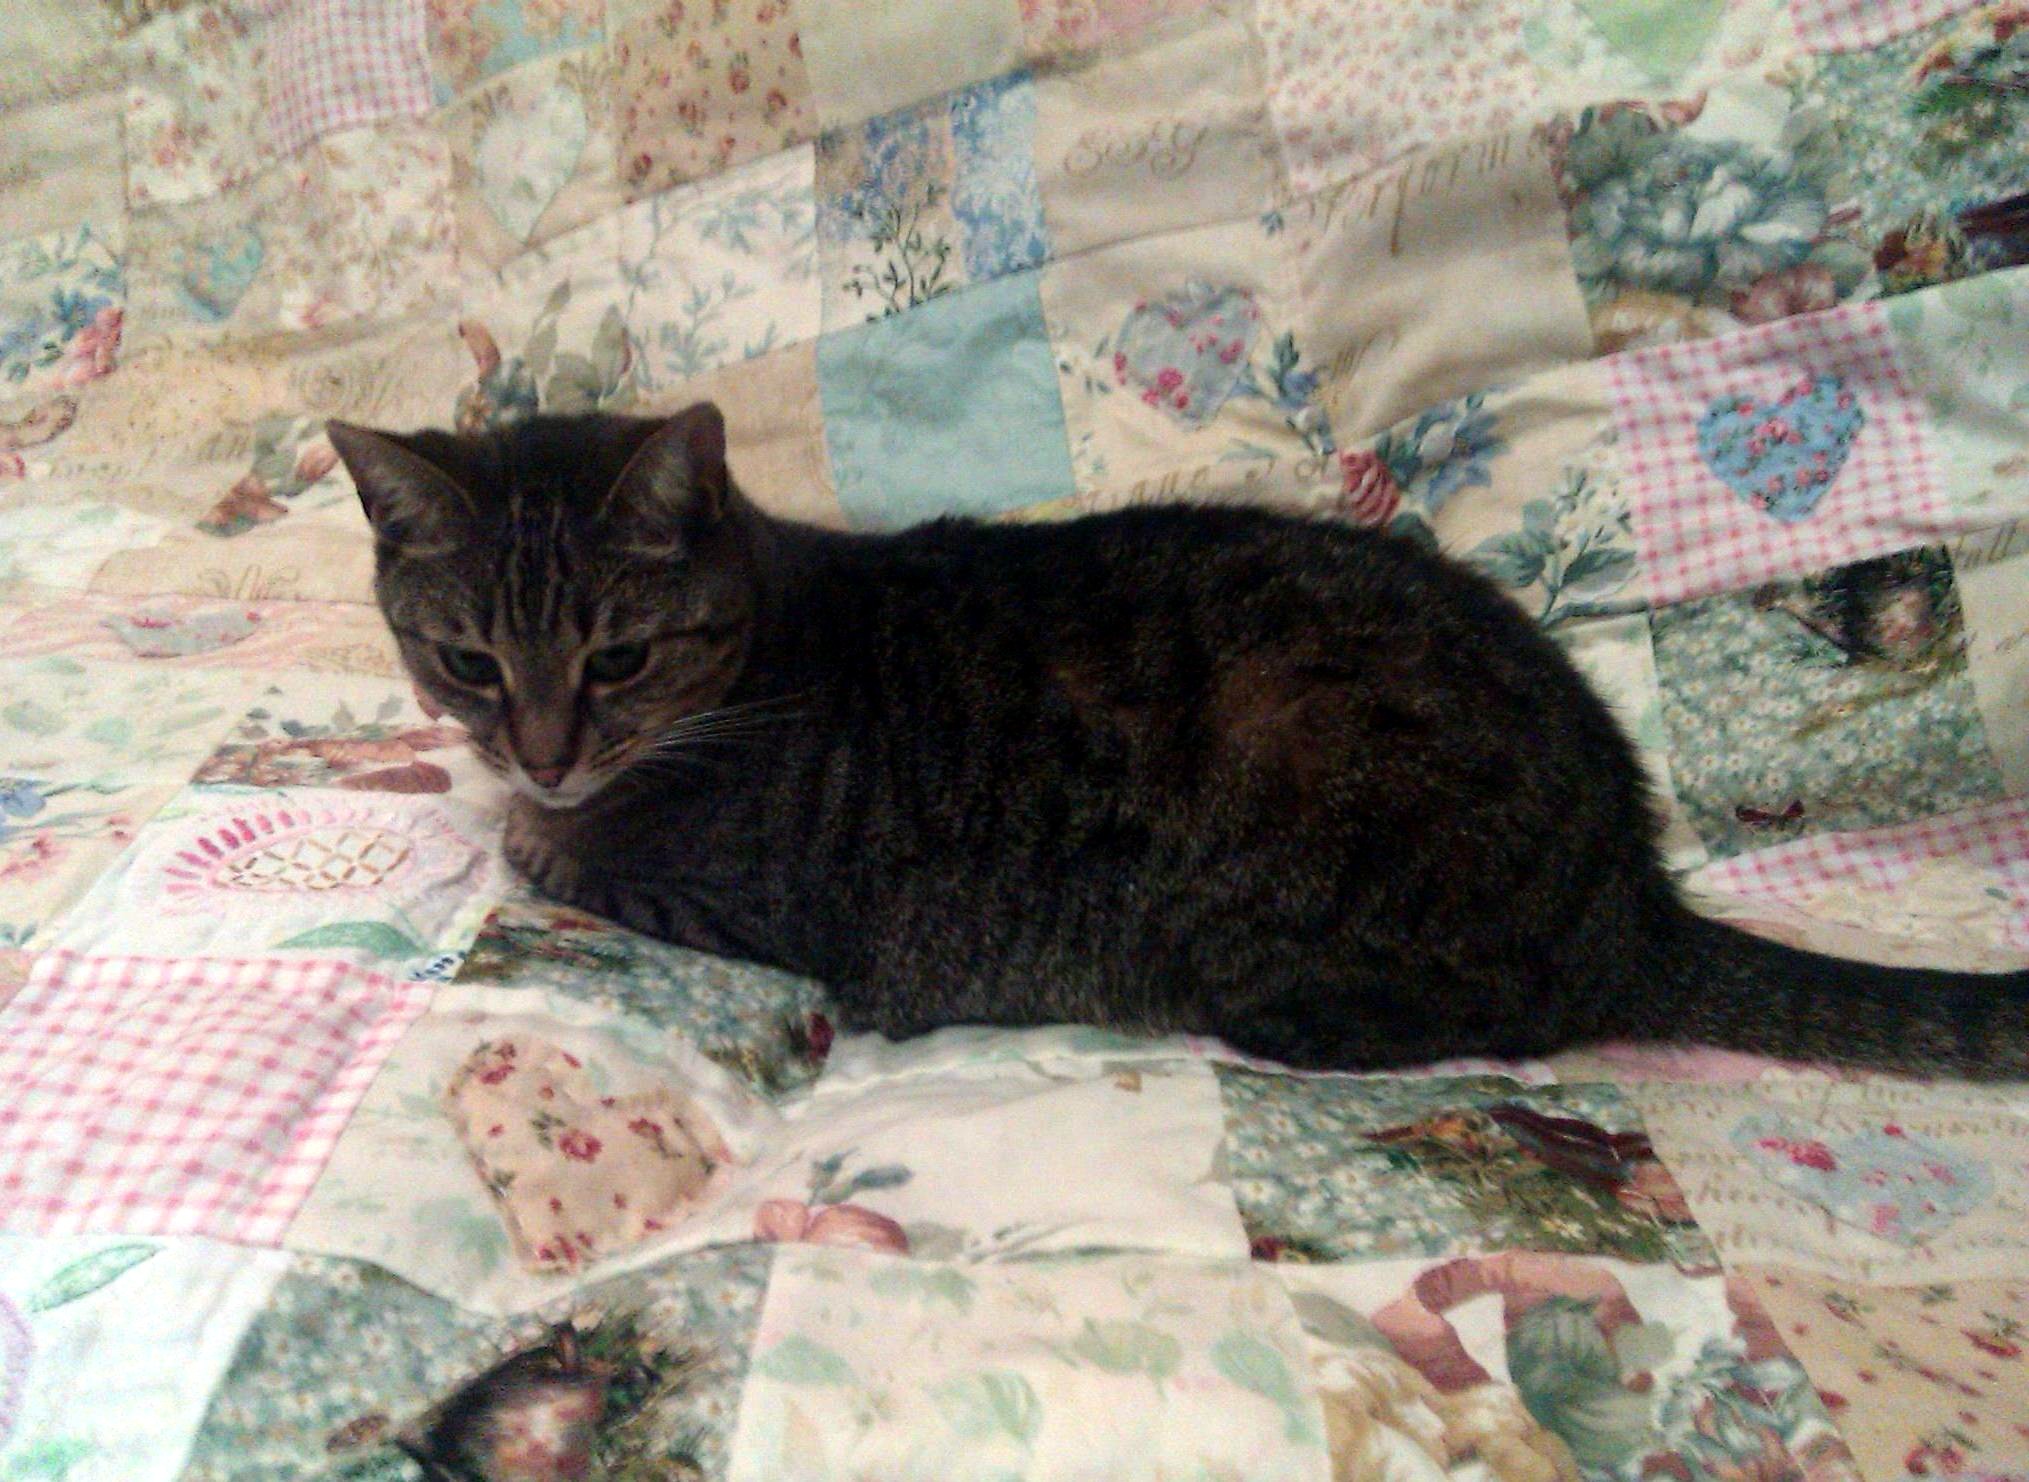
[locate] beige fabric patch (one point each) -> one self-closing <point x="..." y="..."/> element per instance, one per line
<point x="775" y="431"/>
<point x="55" y="169"/>
<point x="1171" y="134"/>
<point x="577" y="1175"/>
<point x="532" y="155"/>
<point x="1902" y="1370"/>
<point x="1994" y="596"/>
<point x="1436" y="278"/>
<point x="872" y="56"/>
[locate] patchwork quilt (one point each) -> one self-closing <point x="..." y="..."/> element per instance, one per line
<point x="326" y="1151"/>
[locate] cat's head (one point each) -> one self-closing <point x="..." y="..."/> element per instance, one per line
<point x="570" y="588"/>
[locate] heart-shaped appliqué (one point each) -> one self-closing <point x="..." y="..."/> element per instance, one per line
<point x="1187" y="352"/>
<point x="1781" y="456"/>
<point x="1884" y="1181"/>
<point x="214" y="276"/>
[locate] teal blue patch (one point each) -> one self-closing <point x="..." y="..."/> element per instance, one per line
<point x="948" y="408"/>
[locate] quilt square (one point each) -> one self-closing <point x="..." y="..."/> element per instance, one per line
<point x="195" y="104"/>
<point x="55" y="168"/>
<point x="951" y="408"/>
<point x="866" y="59"/>
<point x="1924" y="127"/>
<point x="916" y="204"/>
<point x="1184" y="368"/>
<point x="1880" y="1180"/>
<point x="1887" y="879"/>
<point x="1344" y="1168"/>
<point x="1967" y="348"/>
<point x="531" y="158"/>
<point x="1856" y="25"/>
<point x="159" y="1097"/>
<point x="337" y="64"/>
<point x="1783" y="449"/>
<point x="1352" y="87"/>
<point x="135" y="1333"/>
<point x="1170" y="133"/>
<point x="1127" y="1368"/>
<point x="87" y="753"/>
<point x="1906" y="1417"/>
<point x="896" y="1160"/>
<point x="701" y="88"/>
<point x="1397" y="270"/>
<point x="668" y="1348"/>
<point x="438" y="1224"/>
<point x="399" y="882"/>
<point x="62" y="312"/>
<point x="1527" y="1364"/>
<point x="1837" y="701"/>
<point x="720" y="272"/>
<point x="473" y="40"/>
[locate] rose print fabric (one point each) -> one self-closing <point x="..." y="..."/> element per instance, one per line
<point x="1698" y="328"/>
<point x="579" y="1175"/>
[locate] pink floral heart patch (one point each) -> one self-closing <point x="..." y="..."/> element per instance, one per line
<point x="1187" y="353"/>
<point x="1883" y="1180"/>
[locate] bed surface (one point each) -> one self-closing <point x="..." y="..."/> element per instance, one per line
<point x="324" y="1147"/>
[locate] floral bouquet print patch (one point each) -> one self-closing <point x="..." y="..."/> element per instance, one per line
<point x="1782" y="456"/>
<point x="579" y="1175"/>
<point x="1891" y="1184"/>
<point x="1187" y="353"/>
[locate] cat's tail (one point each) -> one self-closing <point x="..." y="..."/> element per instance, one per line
<point x="1718" y="985"/>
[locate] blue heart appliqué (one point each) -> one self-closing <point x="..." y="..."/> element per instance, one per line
<point x="1781" y="456"/>
<point x="1894" y="1185"/>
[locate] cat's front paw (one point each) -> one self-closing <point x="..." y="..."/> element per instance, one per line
<point x="531" y="845"/>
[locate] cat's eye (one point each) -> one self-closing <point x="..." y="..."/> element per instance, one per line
<point x="469" y="666"/>
<point x="616" y="664"/>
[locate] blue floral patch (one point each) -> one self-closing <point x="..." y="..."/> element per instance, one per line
<point x="62" y="300"/>
<point x="995" y="198"/>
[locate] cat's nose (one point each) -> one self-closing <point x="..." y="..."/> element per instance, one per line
<point x="545" y="776"/>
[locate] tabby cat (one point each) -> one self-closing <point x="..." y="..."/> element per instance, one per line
<point x="1307" y="788"/>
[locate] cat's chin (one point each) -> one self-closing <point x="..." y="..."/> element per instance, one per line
<point x="556" y="799"/>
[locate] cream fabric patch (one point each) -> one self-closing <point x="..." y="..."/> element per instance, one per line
<point x="577" y="1175"/>
<point x="1435" y="278"/>
<point x="1173" y="133"/>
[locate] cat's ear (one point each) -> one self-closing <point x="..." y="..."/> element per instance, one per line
<point x="409" y="499"/>
<point x="676" y="482"/>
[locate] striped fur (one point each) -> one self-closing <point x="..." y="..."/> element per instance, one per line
<point x="1308" y="788"/>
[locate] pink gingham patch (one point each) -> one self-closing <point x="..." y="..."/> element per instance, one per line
<point x="1698" y="535"/>
<point x="1995" y="837"/>
<point x="1855" y="25"/>
<point x="147" y="1096"/>
<point x="336" y="64"/>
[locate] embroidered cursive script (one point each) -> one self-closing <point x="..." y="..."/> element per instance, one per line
<point x="1166" y="147"/>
